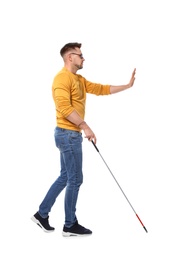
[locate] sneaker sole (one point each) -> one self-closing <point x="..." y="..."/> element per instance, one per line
<point x="40" y="225"/>
<point x="69" y="234"/>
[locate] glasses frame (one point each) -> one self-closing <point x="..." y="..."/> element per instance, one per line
<point x="80" y="55"/>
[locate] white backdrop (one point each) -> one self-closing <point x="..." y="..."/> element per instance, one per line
<point x="133" y="128"/>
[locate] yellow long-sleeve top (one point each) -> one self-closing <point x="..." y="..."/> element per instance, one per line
<point x="69" y="94"/>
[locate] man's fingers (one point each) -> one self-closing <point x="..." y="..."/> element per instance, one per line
<point x="91" y="138"/>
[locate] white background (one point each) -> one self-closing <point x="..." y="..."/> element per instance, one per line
<point x="133" y="128"/>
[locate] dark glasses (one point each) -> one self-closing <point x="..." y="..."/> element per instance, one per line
<point x="80" y="55"/>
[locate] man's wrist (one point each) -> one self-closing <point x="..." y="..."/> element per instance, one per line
<point x="83" y="125"/>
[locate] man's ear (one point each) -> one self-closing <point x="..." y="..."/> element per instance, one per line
<point x="69" y="57"/>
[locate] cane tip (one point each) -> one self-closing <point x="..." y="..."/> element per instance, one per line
<point x="145" y="229"/>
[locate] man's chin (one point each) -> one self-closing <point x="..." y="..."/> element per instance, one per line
<point x="79" y="67"/>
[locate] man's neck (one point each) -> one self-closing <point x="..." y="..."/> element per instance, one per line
<point x="71" y="69"/>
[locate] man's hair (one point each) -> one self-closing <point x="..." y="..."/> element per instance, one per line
<point x="69" y="46"/>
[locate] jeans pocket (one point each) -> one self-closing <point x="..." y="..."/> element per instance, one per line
<point x="59" y="140"/>
<point x="75" y="137"/>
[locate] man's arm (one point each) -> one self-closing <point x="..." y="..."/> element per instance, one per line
<point x="116" y="89"/>
<point x="79" y="122"/>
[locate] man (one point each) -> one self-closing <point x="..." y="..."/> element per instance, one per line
<point x="69" y="93"/>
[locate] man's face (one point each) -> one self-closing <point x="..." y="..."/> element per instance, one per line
<point x="77" y="58"/>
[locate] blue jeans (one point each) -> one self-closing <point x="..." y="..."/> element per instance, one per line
<point x="69" y="144"/>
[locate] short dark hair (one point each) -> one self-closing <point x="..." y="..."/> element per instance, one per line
<point x="69" y="46"/>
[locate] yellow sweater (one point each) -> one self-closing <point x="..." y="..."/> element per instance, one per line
<point x="69" y="94"/>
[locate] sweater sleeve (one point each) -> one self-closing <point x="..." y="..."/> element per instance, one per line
<point x="61" y="95"/>
<point x="96" y="88"/>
